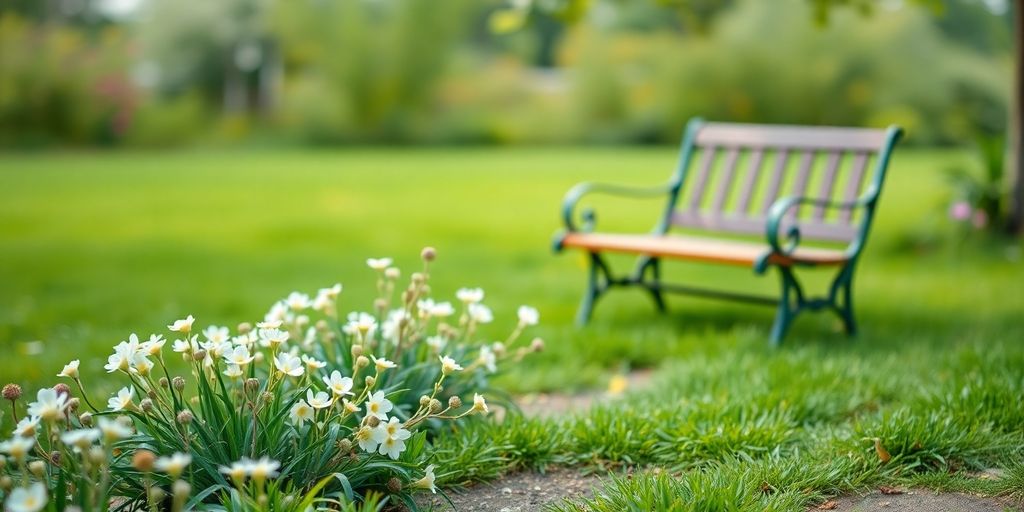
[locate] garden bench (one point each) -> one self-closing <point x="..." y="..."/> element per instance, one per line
<point x="779" y="182"/>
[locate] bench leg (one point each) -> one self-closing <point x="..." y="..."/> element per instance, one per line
<point x="842" y="299"/>
<point x="593" y="291"/>
<point x="790" y="302"/>
<point x="653" y="285"/>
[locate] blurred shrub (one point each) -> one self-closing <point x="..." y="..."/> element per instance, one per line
<point x="168" y="122"/>
<point x="58" y="85"/>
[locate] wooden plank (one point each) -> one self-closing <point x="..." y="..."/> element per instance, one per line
<point x="734" y="252"/>
<point x="809" y="230"/>
<point x="860" y="164"/>
<point x="701" y="179"/>
<point x="750" y="182"/>
<point x="828" y="182"/>
<point x="813" y="138"/>
<point x="726" y="182"/>
<point x="803" y="175"/>
<point x="781" y="158"/>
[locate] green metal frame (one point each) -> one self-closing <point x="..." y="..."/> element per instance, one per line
<point x="792" y="300"/>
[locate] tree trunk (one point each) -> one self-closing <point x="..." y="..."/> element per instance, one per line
<point x="1016" y="171"/>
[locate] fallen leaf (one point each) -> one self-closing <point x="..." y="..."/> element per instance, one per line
<point x="889" y="490"/>
<point x="883" y="454"/>
<point x="828" y="505"/>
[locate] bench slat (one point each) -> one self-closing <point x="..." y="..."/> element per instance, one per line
<point x="753" y="226"/>
<point x="781" y="158"/>
<point x="827" y="183"/>
<point x="860" y="164"/>
<point x="802" y="177"/>
<point x="706" y="162"/>
<point x="753" y="171"/>
<point x="726" y="183"/>
<point x="825" y="138"/>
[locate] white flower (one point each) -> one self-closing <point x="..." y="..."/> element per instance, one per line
<point x="49" y="405"/>
<point x="269" y="324"/>
<point x="301" y="412"/>
<point x="273" y="337"/>
<point x="277" y="315"/>
<point x="141" y="364"/>
<point x="487" y="359"/>
<point x="437" y="343"/>
<point x="123" y="354"/>
<point x="480" y="314"/>
<point x="362" y="324"/>
<point x="112" y="429"/>
<point x="122" y="400"/>
<point x="382" y="364"/>
<point x="81" y="438"/>
<point x="216" y="335"/>
<point x="154" y="344"/>
<point x="377" y="405"/>
<point x="313" y="364"/>
<point x="18" y="447"/>
<point x="238" y="470"/>
<point x="379" y="264"/>
<point x="70" y="370"/>
<point x="174" y="465"/>
<point x="391" y="327"/>
<point x="339" y="385"/>
<point x="27" y="499"/>
<point x="449" y="366"/>
<point x="244" y="340"/>
<point x="188" y="345"/>
<point x="297" y="301"/>
<point x="479" y="404"/>
<point x="238" y="356"/>
<point x="233" y="370"/>
<point x="318" y="401"/>
<point x="325" y="298"/>
<point x="528" y="315"/>
<point x="442" y="310"/>
<point x="262" y="469"/>
<point x="369" y="438"/>
<point x="333" y="291"/>
<point x="289" y="365"/>
<point x="394" y="442"/>
<point x="470" y="295"/>
<point x="427" y="482"/>
<point x="27" y="426"/>
<point x="184" y="325"/>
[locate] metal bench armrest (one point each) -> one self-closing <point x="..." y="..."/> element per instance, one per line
<point x="575" y="194"/>
<point x="776" y="217"/>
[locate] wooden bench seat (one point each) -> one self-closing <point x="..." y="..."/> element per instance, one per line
<point x="697" y="248"/>
<point x="789" y="184"/>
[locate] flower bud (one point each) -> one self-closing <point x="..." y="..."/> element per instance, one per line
<point x="55" y="458"/>
<point x="37" y="468"/>
<point x="143" y="460"/>
<point x="74" y="404"/>
<point x="395" y="485"/>
<point x="428" y="254"/>
<point x="12" y="392"/>
<point x="267" y="397"/>
<point x="185" y="417"/>
<point x="370" y="381"/>
<point x="181" y="490"/>
<point x="537" y="345"/>
<point x="498" y="348"/>
<point x="362" y="361"/>
<point x="125" y="421"/>
<point x="302" y="321"/>
<point x="424" y="401"/>
<point x="252" y="385"/>
<point x="85" y="419"/>
<point x="407" y="296"/>
<point x="244" y="328"/>
<point x="62" y="389"/>
<point x="372" y="421"/>
<point x="156" y="495"/>
<point x="344" y="445"/>
<point x="357" y="350"/>
<point x="179" y="383"/>
<point x="425" y="289"/>
<point x="3" y="463"/>
<point x="380" y="304"/>
<point x="435" y="406"/>
<point x="6" y="483"/>
<point x="392" y="273"/>
<point x="146" y="404"/>
<point x="97" y="456"/>
<point x="199" y="355"/>
<point x="321" y="325"/>
<point x="418" y="278"/>
<point x="163" y="382"/>
<point x="258" y="357"/>
<point x="454" y="402"/>
<point x="152" y="394"/>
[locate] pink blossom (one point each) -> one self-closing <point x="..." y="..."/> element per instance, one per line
<point x="960" y="211"/>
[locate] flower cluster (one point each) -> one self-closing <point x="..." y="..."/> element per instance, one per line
<point x="325" y="397"/>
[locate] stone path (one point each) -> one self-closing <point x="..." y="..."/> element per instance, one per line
<point x="519" y="492"/>
<point x="919" y="500"/>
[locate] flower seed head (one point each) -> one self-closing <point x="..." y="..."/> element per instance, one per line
<point x="37" y="468"/>
<point x="199" y="355"/>
<point x="424" y="401"/>
<point x="85" y="419"/>
<point x="344" y="445"/>
<point x="362" y="361"/>
<point x="395" y="485"/>
<point x="372" y="421"/>
<point x="185" y="417"/>
<point x="370" y="381"/>
<point x="267" y="397"/>
<point x="435" y="406"/>
<point x="164" y="383"/>
<point x="73" y="404"/>
<point x="12" y="392"/>
<point x="62" y="389"/>
<point x="357" y="350"/>
<point x="179" y="383"/>
<point x="454" y="402"/>
<point x="537" y="345"/>
<point x="146" y="404"/>
<point x="428" y="254"/>
<point x="143" y="460"/>
<point x="244" y="328"/>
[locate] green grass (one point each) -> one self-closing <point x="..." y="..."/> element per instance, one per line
<point x="94" y="246"/>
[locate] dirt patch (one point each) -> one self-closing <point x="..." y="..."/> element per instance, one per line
<point x="551" y="404"/>
<point x="519" y="492"/>
<point x="918" y="500"/>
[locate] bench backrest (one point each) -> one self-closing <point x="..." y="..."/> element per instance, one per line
<point x="729" y="175"/>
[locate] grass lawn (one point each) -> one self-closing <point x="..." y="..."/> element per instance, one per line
<point x="94" y="246"/>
